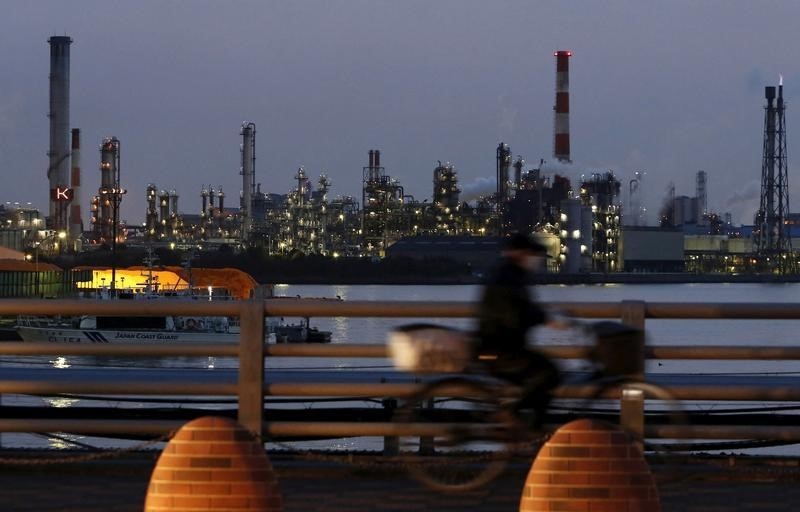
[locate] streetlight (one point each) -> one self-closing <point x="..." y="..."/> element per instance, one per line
<point x="37" y="244"/>
<point x="115" y="196"/>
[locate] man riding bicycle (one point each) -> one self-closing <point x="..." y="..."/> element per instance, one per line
<point x="507" y="310"/>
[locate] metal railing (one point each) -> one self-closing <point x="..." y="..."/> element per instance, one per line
<point x="250" y="389"/>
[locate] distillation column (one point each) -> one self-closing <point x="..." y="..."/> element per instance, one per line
<point x="109" y="189"/>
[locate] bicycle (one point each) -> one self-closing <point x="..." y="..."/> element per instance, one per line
<point x="464" y="435"/>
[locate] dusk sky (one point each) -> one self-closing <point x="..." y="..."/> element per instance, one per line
<point x="665" y="87"/>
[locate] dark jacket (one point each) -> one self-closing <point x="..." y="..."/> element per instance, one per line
<point x="507" y="311"/>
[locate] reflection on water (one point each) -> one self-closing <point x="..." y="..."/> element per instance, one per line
<point x="64" y="441"/>
<point x="60" y="402"/>
<point x="60" y="362"/>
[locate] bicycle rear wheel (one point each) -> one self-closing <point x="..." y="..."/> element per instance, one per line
<point x="464" y="447"/>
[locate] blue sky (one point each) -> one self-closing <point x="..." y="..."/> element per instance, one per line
<point x="664" y="87"/>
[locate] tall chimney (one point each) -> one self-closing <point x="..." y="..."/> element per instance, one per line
<point x="248" y="178"/>
<point x="561" y="108"/>
<point x="75" y="219"/>
<point x="58" y="169"/>
<point x="377" y="158"/>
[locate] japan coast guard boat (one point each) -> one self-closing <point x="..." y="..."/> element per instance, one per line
<point x="143" y="330"/>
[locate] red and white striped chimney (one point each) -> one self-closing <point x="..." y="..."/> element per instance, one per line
<point x="561" y="108"/>
<point x="75" y="219"/>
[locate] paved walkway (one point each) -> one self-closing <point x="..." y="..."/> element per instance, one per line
<point x="120" y="485"/>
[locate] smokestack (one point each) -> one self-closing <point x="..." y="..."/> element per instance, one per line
<point x="377" y="158"/>
<point x="561" y="121"/>
<point x="702" y="196"/>
<point x="503" y="163"/>
<point x="58" y="170"/>
<point x="75" y="219"/>
<point x="371" y="159"/>
<point x="248" y="177"/>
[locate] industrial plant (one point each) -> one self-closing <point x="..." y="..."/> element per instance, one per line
<point x="583" y="219"/>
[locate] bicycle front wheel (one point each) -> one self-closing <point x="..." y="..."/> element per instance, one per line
<point x="462" y="443"/>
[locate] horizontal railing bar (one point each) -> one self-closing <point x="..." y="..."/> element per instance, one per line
<point x="400" y="390"/>
<point x="420" y="309"/>
<point x="717" y="352"/>
<point x="699" y="310"/>
<point x="721" y="392"/>
<point x="364" y="308"/>
<point x="120" y="349"/>
<point x="696" y="392"/>
<point x="356" y="390"/>
<point x="362" y="390"/>
<point x="372" y="350"/>
<point x="737" y="310"/>
<point x="327" y="350"/>
<point x="677" y="431"/>
<point x="771" y="432"/>
<point x="348" y="429"/>
<point x="398" y="309"/>
<point x="116" y="387"/>
<point x="152" y="427"/>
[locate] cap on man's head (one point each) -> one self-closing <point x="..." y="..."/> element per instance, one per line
<point x="523" y="242"/>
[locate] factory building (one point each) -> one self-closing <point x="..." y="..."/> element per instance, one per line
<point x="650" y="249"/>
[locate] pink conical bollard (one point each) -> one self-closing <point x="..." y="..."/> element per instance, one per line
<point x="213" y="464"/>
<point x="590" y="465"/>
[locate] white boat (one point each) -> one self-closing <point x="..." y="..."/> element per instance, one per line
<point x="156" y="330"/>
<point x="143" y="330"/>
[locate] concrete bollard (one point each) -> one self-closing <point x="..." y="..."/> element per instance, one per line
<point x="590" y="465"/>
<point x="213" y="464"/>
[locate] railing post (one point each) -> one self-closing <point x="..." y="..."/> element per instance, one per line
<point x="631" y="411"/>
<point x="251" y="366"/>
<point x="633" y="313"/>
<point x="631" y="400"/>
<point x="391" y="444"/>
